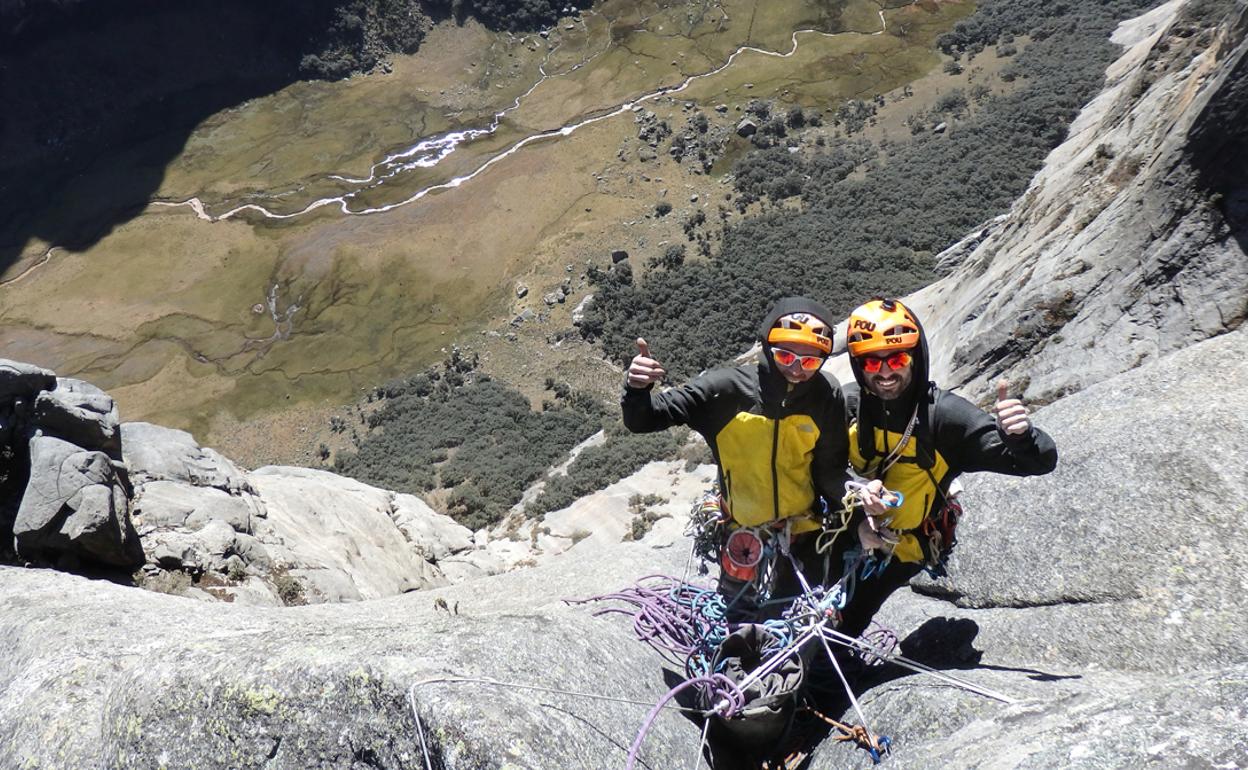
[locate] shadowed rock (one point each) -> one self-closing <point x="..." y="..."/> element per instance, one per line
<point x="21" y="380"/>
<point x="75" y="505"/>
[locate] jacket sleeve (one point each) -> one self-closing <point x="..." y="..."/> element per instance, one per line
<point x="646" y="411"/>
<point x="969" y="438"/>
<point x="831" y="459"/>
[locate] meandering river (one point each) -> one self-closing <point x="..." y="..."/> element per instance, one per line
<point x="430" y="152"/>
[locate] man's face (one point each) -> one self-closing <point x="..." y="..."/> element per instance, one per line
<point x="793" y="371"/>
<point x="888" y="382"/>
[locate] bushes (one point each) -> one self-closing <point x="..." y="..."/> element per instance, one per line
<point x="511" y="15"/>
<point x="597" y="467"/>
<point x="876" y="234"/>
<point x="482" y="440"/>
<point x="454" y="429"/>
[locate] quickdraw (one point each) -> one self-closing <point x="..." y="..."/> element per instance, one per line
<point x="707" y="523"/>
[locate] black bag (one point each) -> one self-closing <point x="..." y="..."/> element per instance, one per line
<point x="758" y="732"/>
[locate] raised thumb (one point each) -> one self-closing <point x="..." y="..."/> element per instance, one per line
<point x="1003" y="390"/>
<point x="643" y="348"/>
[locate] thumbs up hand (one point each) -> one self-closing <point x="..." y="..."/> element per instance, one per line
<point x="644" y="371"/>
<point x="1011" y="413"/>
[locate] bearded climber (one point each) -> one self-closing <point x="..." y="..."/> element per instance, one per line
<point x="910" y="437"/>
<point x="777" y="433"/>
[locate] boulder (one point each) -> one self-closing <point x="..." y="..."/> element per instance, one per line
<point x="747" y="127"/>
<point x="578" y="312"/>
<point x="21" y="380"/>
<point x="155" y="453"/>
<point x="75" y="506"/>
<point x="252" y="552"/>
<point x="81" y="414"/>
<point x="340" y="537"/>
<point x="181" y="551"/>
<point x="166" y="504"/>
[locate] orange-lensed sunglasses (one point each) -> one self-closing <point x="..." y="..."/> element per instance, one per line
<point x="899" y="360"/>
<point x="786" y="357"/>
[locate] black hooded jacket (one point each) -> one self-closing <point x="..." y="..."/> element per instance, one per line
<point x="778" y="445"/>
<point x="949" y="436"/>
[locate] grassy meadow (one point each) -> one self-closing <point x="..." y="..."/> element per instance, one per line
<point x="170" y="312"/>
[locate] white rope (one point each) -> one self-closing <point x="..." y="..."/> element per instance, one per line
<point x="420" y="728"/>
<point x="818" y="629"/>
<point x="913" y="665"/>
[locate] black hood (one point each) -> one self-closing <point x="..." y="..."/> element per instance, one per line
<point x="873" y="412"/>
<point x="918" y="384"/>
<point x="772" y="381"/>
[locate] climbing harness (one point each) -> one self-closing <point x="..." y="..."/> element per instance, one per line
<point x="706" y="527"/>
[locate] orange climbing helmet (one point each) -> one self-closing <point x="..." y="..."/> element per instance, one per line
<point x="881" y="324"/>
<point x="802" y="328"/>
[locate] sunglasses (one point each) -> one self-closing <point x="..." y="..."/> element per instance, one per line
<point x="899" y="360"/>
<point x="787" y="357"/>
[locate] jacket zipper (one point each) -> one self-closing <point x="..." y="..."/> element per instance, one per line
<point x="775" y="446"/>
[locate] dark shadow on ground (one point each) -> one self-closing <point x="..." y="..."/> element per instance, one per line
<point x="1217" y="145"/>
<point x="943" y="644"/>
<point x="98" y="98"/>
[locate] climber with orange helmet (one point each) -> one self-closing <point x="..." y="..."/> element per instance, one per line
<point x="911" y="440"/>
<point x="777" y="433"/>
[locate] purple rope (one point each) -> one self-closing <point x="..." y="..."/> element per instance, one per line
<point x="668" y="614"/>
<point x="883" y="641"/>
<point x="716" y="686"/>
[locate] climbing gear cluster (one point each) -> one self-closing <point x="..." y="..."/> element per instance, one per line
<point x="688" y="624"/>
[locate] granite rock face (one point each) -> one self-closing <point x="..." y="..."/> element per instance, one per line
<point x="1130" y="242"/>
<point x="1103" y="599"/>
<point x="84" y="492"/>
<point x="64" y="495"/>
<point x="81" y="414"/>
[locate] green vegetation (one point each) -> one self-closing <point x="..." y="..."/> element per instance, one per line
<point x="643" y="518"/>
<point x="454" y="429"/>
<point x="596" y="467"/>
<point x="511" y="15"/>
<point x="355" y="36"/>
<point x="874" y="231"/>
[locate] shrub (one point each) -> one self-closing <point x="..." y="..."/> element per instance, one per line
<point x="597" y="467"/>
<point x="856" y="237"/>
<point x="501" y="444"/>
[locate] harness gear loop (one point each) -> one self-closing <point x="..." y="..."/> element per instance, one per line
<point x="940" y="529"/>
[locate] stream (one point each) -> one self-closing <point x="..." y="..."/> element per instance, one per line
<point x="429" y="152"/>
